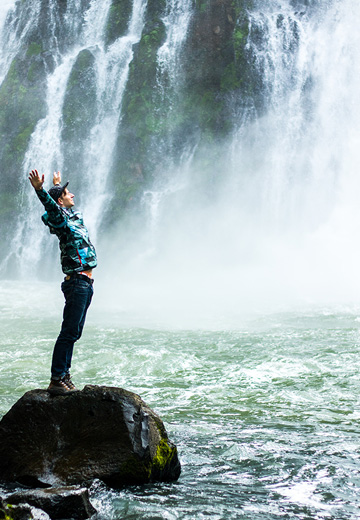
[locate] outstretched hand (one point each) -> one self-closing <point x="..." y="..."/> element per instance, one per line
<point x="35" y="179"/>
<point x="56" y="178"/>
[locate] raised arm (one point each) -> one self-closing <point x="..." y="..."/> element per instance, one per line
<point x="54" y="214"/>
<point x="35" y="179"/>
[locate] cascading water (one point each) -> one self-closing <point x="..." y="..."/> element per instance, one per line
<point x="112" y="72"/>
<point x="282" y="219"/>
<point x="305" y="143"/>
<point x="291" y="133"/>
<point x="283" y="182"/>
<point x="45" y="150"/>
<point x="15" y="25"/>
<point x="176" y="21"/>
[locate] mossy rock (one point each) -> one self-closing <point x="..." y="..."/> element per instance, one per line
<point x="79" y="113"/>
<point x="22" y="105"/>
<point x="104" y="433"/>
<point x="118" y="20"/>
<point x="79" y="107"/>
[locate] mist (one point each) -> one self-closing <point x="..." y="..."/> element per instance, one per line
<point x="266" y="217"/>
<point x="274" y="221"/>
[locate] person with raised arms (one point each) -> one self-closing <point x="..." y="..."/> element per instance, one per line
<point x="78" y="259"/>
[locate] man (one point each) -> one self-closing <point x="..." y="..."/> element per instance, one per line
<point x="78" y="259"/>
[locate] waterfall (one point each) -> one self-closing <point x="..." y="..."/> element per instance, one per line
<point x="301" y="187"/>
<point x="12" y="32"/>
<point x="273" y="196"/>
<point x="176" y="20"/>
<point x="45" y="151"/>
<point x="283" y="219"/>
<point x="302" y="143"/>
<point x="112" y="68"/>
<point x="287" y="137"/>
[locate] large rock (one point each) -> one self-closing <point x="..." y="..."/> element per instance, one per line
<point x="99" y="432"/>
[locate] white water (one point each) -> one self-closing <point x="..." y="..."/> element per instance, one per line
<point x="112" y="73"/>
<point x="45" y="151"/>
<point x="9" y="38"/>
<point x="276" y="219"/>
<point x="282" y="224"/>
<point x="176" y="21"/>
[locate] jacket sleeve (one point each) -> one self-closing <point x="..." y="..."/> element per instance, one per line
<point x="54" y="214"/>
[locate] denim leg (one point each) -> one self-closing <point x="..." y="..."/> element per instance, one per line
<point x="78" y="295"/>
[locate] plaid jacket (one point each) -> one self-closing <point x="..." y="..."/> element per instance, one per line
<point x="76" y="250"/>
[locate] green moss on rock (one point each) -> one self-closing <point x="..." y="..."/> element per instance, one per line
<point x="141" y="117"/>
<point x="79" y="112"/>
<point x="164" y="455"/>
<point x="138" y="470"/>
<point x="21" y="107"/>
<point x="34" y="49"/>
<point x="118" y="20"/>
<point x="8" y="512"/>
<point x="80" y="98"/>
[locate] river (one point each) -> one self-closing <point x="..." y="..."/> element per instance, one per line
<point x="263" y="406"/>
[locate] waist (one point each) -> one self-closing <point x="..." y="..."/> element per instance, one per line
<point x="80" y="276"/>
<point x="86" y="273"/>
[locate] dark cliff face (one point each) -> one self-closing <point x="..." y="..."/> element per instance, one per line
<point x="158" y="119"/>
<point x="78" y="115"/>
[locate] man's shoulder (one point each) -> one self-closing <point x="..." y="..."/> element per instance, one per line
<point x="74" y="215"/>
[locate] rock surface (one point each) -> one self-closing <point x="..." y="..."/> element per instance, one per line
<point x="99" y="432"/>
<point x="65" y="502"/>
<point x="21" y="512"/>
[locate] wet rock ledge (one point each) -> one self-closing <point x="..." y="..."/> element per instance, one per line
<point x="47" y="504"/>
<point x="98" y="433"/>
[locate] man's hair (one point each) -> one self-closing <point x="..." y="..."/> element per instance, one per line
<point x="56" y="191"/>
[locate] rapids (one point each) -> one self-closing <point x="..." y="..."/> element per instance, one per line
<point x="264" y="410"/>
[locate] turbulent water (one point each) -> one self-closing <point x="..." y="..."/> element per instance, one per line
<point x="264" y="410"/>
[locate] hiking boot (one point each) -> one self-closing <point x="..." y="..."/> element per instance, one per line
<point x="67" y="380"/>
<point x="58" y="387"/>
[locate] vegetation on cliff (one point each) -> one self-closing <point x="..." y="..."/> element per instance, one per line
<point x="118" y="20"/>
<point x="161" y="116"/>
<point x="22" y="104"/>
<point x="79" y="112"/>
<point x="160" y="120"/>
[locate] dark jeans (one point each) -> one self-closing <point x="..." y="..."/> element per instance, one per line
<point x="78" y="294"/>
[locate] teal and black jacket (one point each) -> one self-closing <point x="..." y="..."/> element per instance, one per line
<point x="76" y="250"/>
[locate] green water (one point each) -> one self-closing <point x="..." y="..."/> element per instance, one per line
<point x="265" y="412"/>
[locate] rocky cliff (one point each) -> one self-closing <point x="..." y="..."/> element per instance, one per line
<point x="165" y="108"/>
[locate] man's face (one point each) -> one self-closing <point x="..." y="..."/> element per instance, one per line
<point x="66" y="199"/>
